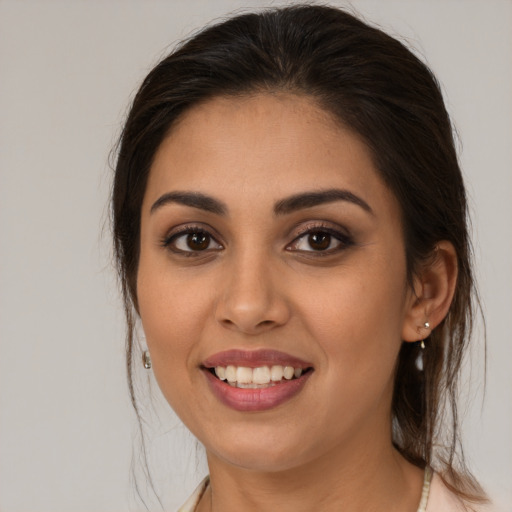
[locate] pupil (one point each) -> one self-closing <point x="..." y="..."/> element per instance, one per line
<point x="198" y="241"/>
<point x="319" y="241"/>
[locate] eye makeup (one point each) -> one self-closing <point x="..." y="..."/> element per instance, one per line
<point x="313" y="239"/>
<point x="191" y="240"/>
<point x="322" y="239"/>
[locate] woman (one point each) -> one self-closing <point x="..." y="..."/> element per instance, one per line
<point x="290" y="226"/>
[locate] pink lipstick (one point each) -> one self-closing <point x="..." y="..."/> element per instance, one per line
<point x="255" y="380"/>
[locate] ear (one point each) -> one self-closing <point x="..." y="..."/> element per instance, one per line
<point x="434" y="286"/>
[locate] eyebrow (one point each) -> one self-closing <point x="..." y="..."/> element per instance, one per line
<point x="193" y="199"/>
<point x="283" y="207"/>
<point x="310" y="199"/>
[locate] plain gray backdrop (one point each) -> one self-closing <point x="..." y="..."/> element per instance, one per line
<point x="67" y="72"/>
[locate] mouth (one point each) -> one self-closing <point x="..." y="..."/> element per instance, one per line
<point x="261" y="377"/>
<point x="255" y="380"/>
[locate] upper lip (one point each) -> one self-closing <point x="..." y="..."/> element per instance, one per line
<point x="254" y="359"/>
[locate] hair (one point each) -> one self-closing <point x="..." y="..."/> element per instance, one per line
<point x="371" y="83"/>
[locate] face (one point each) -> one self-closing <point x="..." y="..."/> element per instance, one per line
<point x="272" y="255"/>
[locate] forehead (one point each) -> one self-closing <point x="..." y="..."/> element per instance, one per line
<point x="262" y="147"/>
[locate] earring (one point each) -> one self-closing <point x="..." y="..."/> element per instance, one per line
<point x="426" y="325"/>
<point x="419" y="359"/>
<point x="146" y="360"/>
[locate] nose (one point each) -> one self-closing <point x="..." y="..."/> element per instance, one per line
<point x="251" y="298"/>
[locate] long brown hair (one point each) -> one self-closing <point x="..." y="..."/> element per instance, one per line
<point x="372" y="83"/>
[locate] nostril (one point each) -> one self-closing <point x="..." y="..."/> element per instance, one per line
<point x="251" y="314"/>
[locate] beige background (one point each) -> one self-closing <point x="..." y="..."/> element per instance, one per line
<point x="67" y="72"/>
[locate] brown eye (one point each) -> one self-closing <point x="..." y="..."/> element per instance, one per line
<point x="198" y="241"/>
<point x="192" y="241"/>
<point x="319" y="241"/>
<point x="323" y="241"/>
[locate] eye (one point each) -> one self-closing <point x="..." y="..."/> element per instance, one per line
<point x="322" y="240"/>
<point x="192" y="240"/>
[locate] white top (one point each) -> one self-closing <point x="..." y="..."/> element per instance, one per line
<point x="435" y="497"/>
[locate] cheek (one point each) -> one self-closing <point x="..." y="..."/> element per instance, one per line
<point x="173" y="312"/>
<point x="357" y="327"/>
<point x="171" y="318"/>
<point x="358" y="321"/>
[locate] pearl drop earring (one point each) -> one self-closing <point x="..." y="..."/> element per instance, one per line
<point x="419" y="359"/>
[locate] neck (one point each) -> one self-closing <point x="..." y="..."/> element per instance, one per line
<point x="368" y="477"/>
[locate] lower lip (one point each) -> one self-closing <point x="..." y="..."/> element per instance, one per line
<point x="259" y="399"/>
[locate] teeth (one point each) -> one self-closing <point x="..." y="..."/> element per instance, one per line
<point x="276" y="373"/>
<point x="243" y="375"/>
<point x="220" y="371"/>
<point x="252" y="385"/>
<point x="231" y="374"/>
<point x="262" y="376"/>
<point x="288" y="372"/>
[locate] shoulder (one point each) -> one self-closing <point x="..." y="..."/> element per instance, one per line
<point x="191" y="504"/>
<point x="441" y="499"/>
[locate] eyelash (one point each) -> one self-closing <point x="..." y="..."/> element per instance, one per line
<point x="169" y="241"/>
<point x="345" y="240"/>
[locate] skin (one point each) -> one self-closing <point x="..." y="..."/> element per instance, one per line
<point x="259" y="284"/>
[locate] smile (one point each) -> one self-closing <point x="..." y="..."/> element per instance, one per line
<point x="255" y="380"/>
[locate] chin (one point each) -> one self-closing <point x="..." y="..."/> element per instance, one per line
<point x="262" y="461"/>
<point x="262" y="453"/>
